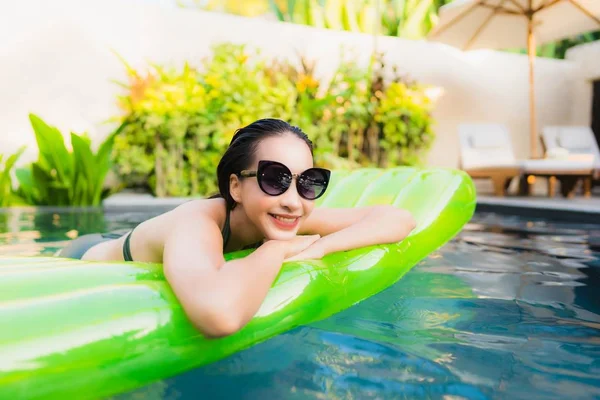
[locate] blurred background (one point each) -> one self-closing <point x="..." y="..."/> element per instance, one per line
<point x="361" y="77"/>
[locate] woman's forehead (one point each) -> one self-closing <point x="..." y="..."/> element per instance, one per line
<point x="286" y="149"/>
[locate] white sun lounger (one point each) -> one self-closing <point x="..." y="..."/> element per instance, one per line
<point x="486" y="151"/>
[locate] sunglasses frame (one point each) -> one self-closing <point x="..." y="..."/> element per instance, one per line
<point x="262" y="164"/>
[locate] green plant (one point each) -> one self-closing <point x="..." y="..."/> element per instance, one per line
<point x="177" y="124"/>
<point x="410" y="19"/>
<point x="63" y="178"/>
<point x="403" y="143"/>
<point x="404" y="18"/>
<point x="7" y="195"/>
<point x="359" y="118"/>
<point x="559" y="49"/>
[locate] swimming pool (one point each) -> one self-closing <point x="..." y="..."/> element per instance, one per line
<point x="509" y="309"/>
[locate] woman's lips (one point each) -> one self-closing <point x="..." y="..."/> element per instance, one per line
<point x="287" y="222"/>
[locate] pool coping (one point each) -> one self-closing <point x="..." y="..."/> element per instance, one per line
<point x="556" y="209"/>
<point x="578" y="209"/>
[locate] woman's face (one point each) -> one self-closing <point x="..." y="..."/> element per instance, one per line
<point x="277" y="217"/>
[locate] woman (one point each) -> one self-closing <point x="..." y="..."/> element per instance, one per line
<point x="267" y="186"/>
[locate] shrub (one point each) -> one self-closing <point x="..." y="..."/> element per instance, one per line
<point x="60" y="177"/>
<point x="176" y="124"/>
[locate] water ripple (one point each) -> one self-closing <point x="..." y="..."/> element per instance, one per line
<point x="508" y="310"/>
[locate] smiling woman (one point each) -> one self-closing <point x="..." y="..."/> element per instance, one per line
<point x="268" y="186"/>
<point x="104" y="328"/>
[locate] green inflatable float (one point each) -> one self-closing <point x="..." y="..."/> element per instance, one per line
<point x="74" y="329"/>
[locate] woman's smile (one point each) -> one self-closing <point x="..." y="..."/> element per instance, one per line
<point x="285" y="221"/>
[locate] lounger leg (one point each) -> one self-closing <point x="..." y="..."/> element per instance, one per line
<point x="499" y="182"/>
<point x="567" y="186"/>
<point x="587" y="186"/>
<point x="551" y="186"/>
<point x="522" y="185"/>
<point x="526" y="184"/>
<point x="507" y="184"/>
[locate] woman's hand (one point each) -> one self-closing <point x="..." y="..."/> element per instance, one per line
<point x="313" y="252"/>
<point x="350" y="228"/>
<point x="298" y="245"/>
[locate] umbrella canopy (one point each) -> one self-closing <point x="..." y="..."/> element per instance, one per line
<point x="501" y="24"/>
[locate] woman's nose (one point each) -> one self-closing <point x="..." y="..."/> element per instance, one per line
<point x="291" y="198"/>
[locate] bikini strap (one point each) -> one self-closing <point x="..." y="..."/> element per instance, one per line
<point x="226" y="231"/>
<point x="127" y="249"/>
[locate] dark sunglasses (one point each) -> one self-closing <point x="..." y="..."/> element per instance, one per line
<point x="274" y="179"/>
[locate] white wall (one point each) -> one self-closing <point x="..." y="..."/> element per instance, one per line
<point x="587" y="58"/>
<point x="56" y="61"/>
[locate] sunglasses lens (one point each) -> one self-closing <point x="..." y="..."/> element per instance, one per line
<point x="275" y="179"/>
<point x="312" y="183"/>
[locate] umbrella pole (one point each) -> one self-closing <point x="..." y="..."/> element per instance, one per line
<point x="533" y="145"/>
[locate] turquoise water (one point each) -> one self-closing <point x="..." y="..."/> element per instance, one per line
<point x="508" y="310"/>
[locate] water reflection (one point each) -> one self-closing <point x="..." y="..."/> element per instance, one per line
<point x="30" y="231"/>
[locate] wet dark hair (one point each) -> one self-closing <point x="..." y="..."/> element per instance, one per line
<point x="242" y="149"/>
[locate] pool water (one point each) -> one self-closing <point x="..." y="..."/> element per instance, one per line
<point x="507" y="310"/>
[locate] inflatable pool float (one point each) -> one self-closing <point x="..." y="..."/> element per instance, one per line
<point x="75" y="329"/>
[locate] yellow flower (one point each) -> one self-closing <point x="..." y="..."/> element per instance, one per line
<point x="300" y="86"/>
<point x="306" y="82"/>
<point x="212" y="81"/>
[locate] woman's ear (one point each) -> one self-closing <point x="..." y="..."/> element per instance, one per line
<point x="235" y="188"/>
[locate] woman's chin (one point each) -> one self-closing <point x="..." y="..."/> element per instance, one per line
<point x="274" y="235"/>
<point x="275" y="230"/>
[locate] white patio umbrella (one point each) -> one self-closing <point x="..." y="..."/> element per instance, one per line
<point x="502" y="24"/>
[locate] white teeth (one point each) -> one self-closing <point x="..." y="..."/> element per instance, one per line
<point x="287" y="220"/>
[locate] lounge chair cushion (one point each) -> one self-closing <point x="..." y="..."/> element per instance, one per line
<point x="486" y="142"/>
<point x="569" y="165"/>
<point x="576" y="139"/>
<point x="485" y="146"/>
<point x="575" y="143"/>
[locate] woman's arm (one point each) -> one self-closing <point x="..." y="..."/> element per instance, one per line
<point x="349" y="228"/>
<point x="221" y="297"/>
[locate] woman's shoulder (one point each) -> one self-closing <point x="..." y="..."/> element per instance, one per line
<point x="155" y="232"/>
<point x="213" y="209"/>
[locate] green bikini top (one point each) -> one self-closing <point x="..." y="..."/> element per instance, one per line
<point x="225" y="232"/>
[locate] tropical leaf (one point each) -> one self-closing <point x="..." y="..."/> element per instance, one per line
<point x="333" y="14"/>
<point x="85" y="170"/>
<point x="27" y="188"/>
<point x="53" y="156"/>
<point x="291" y="5"/>
<point x="350" y="16"/>
<point x="413" y="26"/>
<point x="6" y="189"/>
<point x="64" y="178"/>
<point x="276" y="10"/>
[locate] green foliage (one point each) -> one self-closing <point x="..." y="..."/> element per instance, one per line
<point x="7" y="195"/>
<point x="403" y="142"/>
<point x="410" y="19"/>
<point x="60" y="177"/>
<point x="177" y="124"/>
<point x="559" y="49"/>
<point x="404" y="18"/>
